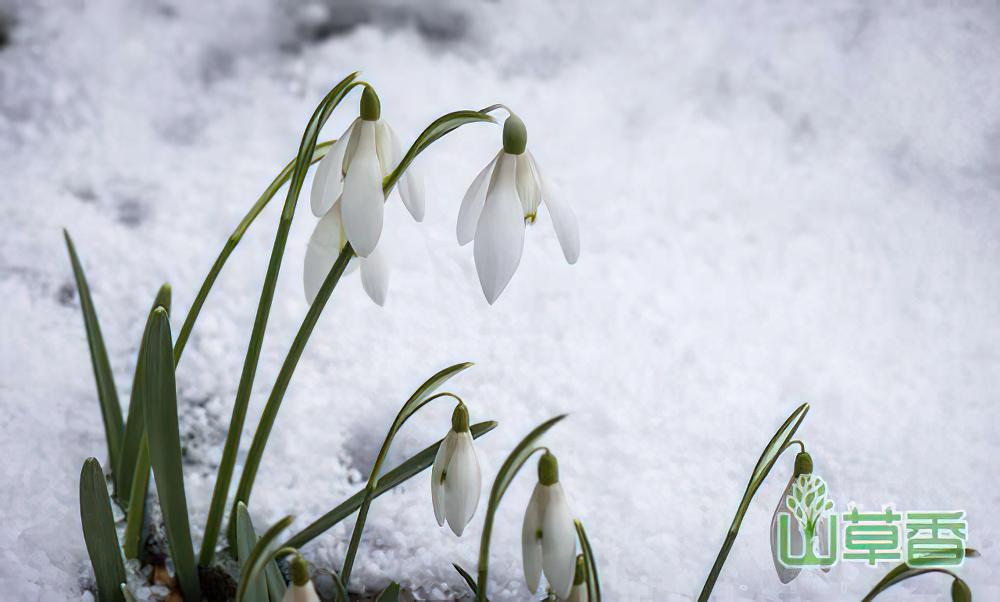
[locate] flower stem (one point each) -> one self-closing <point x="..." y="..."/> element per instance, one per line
<point x="371" y="489"/>
<point x="232" y="241"/>
<point x="307" y="149"/>
<point x="772" y="451"/>
<point x="281" y="385"/>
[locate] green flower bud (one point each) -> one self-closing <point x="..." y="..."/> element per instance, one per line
<point x="960" y="591"/>
<point x="300" y="570"/>
<point x="548" y="469"/>
<point x="460" y="419"/>
<point x="371" y="108"/>
<point x="515" y="136"/>
<point x="581" y="571"/>
<point x="803" y="464"/>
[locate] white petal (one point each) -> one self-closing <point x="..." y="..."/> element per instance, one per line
<point x="301" y="593"/>
<point x="462" y="485"/>
<point x="558" y="543"/>
<point x="441" y="460"/>
<point x="375" y="275"/>
<point x="531" y="545"/>
<point x="823" y="543"/>
<point x="411" y="184"/>
<point x="785" y="574"/>
<point x="499" y="233"/>
<point x="328" y="181"/>
<point x="528" y="186"/>
<point x="563" y="219"/>
<point x="321" y="253"/>
<point x="472" y="203"/>
<point x="388" y="157"/>
<point x="363" y="203"/>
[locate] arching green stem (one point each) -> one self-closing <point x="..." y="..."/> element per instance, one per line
<point x="508" y="471"/>
<point x="774" y="448"/>
<point x="226" y="466"/>
<point x="419" y="399"/>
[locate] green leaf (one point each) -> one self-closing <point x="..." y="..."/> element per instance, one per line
<point x="389" y="594"/>
<point x="260" y="555"/>
<point x="469" y="580"/>
<point x="901" y="573"/>
<point x="111" y="410"/>
<point x="160" y="396"/>
<point x="593" y="580"/>
<point x="507" y="472"/>
<point x="405" y="471"/>
<point x="135" y="425"/>
<point x="136" y="514"/>
<point x="246" y="539"/>
<point x="127" y="594"/>
<point x="99" y="532"/>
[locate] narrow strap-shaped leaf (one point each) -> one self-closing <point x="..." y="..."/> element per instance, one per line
<point x="136" y="516"/>
<point x="107" y="395"/>
<point x="259" y="556"/>
<point x="99" y="532"/>
<point x="135" y="424"/>
<point x="163" y="434"/>
<point x="405" y="471"/>
<point x="246" y="539"/>
<point x="593" y="580"/>
<point x="903" y="571"/>
<point x="389" y="594"/>
<point x="127" y="594"/>
<point x="774" y="448"/>
<point x="508" y="471"/>
<point x="469" y="580"/>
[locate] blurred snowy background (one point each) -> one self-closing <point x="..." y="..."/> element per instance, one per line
<point x="779" y="202"/>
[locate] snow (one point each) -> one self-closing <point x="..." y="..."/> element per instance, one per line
<point x="778" y="203"/>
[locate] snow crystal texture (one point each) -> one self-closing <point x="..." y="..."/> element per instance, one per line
<point x="778" y="202"/>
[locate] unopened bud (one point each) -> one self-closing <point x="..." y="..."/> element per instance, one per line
<point x="371" y="108"/>
<point x="548" y="469"/>
<point x="515" y="136"/>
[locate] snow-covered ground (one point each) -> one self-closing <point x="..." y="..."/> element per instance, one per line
<point x="778" y="203"/>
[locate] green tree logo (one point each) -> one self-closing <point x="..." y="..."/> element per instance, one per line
<point x="808" y="502"/>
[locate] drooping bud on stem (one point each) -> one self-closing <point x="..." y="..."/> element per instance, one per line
<point x="371" y="108"/>
<point x="460" y="419"/>
<point x="803" y="463"/>
<point x="299" y="569"/>
<point x="960" y="591"/>
<point x="548" y="469"/>
<point x="581" y="570"/>
<point x="515" y="136"/>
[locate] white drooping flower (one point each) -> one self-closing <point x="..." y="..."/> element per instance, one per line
<point x="301" y="588"/>
<point x="503" y="198"/>
<point x="347" y="195"/>
<point x="548" y="537"/>
<point x="802" y="522"/>
<point x="456" y="480"/>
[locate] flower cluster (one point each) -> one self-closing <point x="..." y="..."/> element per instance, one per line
<point x="348" y="197"/>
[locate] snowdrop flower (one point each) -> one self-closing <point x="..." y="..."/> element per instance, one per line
<point x="548" y="538"/>
<point x="347" y="195"/>
<point x="803" y="466"/>
<point x="579" y="591"/>
<point x="301" y="588"/>
<point x="455" y="478"/>
<point x="501" y="200"/>
<point x="325" y="244"/>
